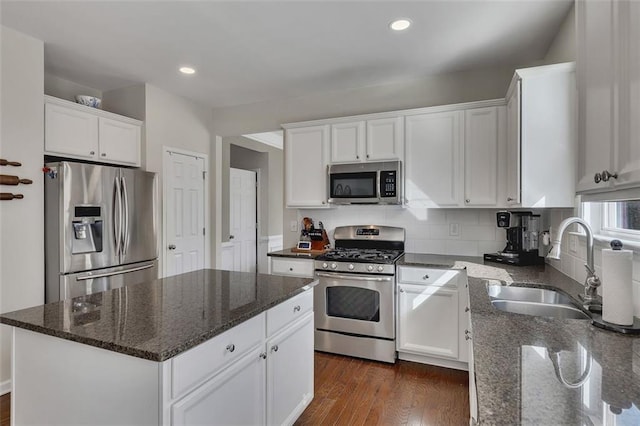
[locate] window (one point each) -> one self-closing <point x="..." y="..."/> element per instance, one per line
<point x="620" y="219"/>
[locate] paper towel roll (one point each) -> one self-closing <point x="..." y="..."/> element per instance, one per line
<point x="617" y="290"/>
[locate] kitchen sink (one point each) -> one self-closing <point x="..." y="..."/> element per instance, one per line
<point x="540" y="309"/>
<point x="533" y="301"/>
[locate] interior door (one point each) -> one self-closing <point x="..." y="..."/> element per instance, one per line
<point x="184" y="212"/>
<point x="243" y="218"/>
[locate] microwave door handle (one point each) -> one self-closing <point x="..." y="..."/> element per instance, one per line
<point x="117" y="215"/>
<point x="378" y="194"/>
<point x="125" y="228"/>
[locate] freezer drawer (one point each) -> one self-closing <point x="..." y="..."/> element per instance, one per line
<point x="84" y="283"/>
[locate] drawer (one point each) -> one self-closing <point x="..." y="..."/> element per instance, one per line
<point x="293" y="267"/>
<point x="289" y="311"/>
<point x="196" y="365"/>
<point x="426" y="276"/>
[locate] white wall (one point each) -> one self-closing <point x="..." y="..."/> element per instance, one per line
<point x="65" y="89"/>
<point x="21" y="221"/>
<point x="563" y="47"/>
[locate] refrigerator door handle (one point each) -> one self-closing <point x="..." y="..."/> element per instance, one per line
<point x="125" y="230"/>
<point x="117" y="215"/>
<point x="91" y="276"/>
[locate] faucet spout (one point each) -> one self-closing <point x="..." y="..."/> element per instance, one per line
<point x="593" y="281"/>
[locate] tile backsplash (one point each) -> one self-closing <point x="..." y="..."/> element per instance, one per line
<point x="465" y="232"/>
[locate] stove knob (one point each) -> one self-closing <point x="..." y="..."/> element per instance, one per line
<point x="380" y="268"/>
<point x="351" y="266"/>
<point x="325" y="265"/>
<point x="370" y="268"/>
<point x="334" y="266"/>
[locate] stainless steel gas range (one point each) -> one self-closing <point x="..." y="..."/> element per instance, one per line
<point x="355" y="298"/>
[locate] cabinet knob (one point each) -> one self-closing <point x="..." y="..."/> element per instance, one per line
<point x="263" y="355"/>
<point x="357" y="157"/>
<point x="296" y="308"/>
<point x="172" y="246"/>
<point x="466" y="309"/>
<point x="274" y="348"/>
<point x="401" y="290"/>
<point x="92" y="153"/>
<point x="467" y="332"/>
<point x="467" y="337"/>
<point x="290" y="269"/>
<point x="509" y="199"/>
<point x="467" y="200"/>
<point x="104" y="154"/>
<point x="367" y="155"/>
<point x="426" y="277"/>
<point x="324" y="202"/>
<point x="231" y="347"/>
<point x="606" y="175"/>
<point x="597" y="178"/>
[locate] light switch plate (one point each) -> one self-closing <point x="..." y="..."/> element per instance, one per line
<point x="454" y="229"/>
<point x="293" y="226"/>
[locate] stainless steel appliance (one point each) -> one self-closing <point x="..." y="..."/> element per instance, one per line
<point x="523" y="232"/>
<point x="354" y="301"/>
<point x="100" y="228"/>
<point x="366" y="183"/>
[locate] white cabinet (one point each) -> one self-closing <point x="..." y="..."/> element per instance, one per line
<point x="431" y="312"/>
<point x="306" y="154"/>
<point x="608" y="75"/>
<point x="371" y="140"/>
<point x="290" y="355"/>
<point x="78" y="131"/>
<point x="235" y="396"/>
<point x="541" y="145"/>
<point x="292" y="267"/>
<point x="481" y="156"/>
<point x="433" y="163"/>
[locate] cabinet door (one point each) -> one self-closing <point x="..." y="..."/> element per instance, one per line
<point x="464" y="318"/>
<point x="428" y="320"/>
<point x="234" y="397"/>
<point x="306" y="154"/>
<point x="628" y="93"/>
<point x="292" y="267"/>
<point x="119" y="141"/>
<point x="69" y="132"/>
<point x="347" y="142"/>
<point x="433" y="159"/>
<point x="481" y="157"/>
<point x="290" y="372"/>
<point x="384" y="139"/>
<point x="595" y="85"/>
<point x="513" y="146"/>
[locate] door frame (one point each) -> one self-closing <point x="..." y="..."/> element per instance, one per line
<point x="166" y="151"/>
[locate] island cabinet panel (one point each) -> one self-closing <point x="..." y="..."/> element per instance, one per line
<point x="56" y="381"/>
<point x="200" y="363"/>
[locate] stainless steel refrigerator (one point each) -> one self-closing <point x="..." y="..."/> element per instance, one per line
<point x="100" y="228"/>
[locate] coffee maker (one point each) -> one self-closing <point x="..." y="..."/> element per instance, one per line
<point x="523" y="231"/>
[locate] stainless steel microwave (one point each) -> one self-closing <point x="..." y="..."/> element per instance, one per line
<point x="366" y="183"/>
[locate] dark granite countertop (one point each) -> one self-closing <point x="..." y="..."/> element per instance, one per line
<point x="543" y="371"/>
<point x="159" y="319"/>
<point x="289" y="253"/>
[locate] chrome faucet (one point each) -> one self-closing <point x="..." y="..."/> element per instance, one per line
<point x="592" y="282"/>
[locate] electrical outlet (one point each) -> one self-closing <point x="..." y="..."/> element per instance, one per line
<point x="293" y="226"/>
<point x="454" y="229"/>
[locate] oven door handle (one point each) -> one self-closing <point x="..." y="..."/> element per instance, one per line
<point x="353" y="277"/>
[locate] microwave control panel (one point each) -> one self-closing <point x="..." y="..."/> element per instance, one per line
<point x="388" y="183"/>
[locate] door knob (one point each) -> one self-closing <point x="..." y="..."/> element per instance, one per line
<point x="172" y="246"/>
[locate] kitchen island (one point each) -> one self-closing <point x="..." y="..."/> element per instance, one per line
<point x="207" y="346"/>
<point x="543" y="371"/>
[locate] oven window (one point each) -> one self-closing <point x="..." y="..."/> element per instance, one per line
<point x="353" y="303"/>
<point x="353" y="185"/>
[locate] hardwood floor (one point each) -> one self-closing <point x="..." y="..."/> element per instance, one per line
<point x="5" y="409"/>
<point x="350" y="391"/>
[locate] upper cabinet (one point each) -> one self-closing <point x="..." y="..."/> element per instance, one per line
<point x="78" y="131"/>
<point x="367" y="140"/>
<point x="306" y="154"/>
<point x="609" y="97"/>
<point x="541" y="140"/>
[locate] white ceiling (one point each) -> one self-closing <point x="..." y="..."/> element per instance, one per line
<point x="251" y="51"/>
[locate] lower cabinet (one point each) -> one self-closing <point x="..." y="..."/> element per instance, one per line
<point x="430" y="321"/>
<point x="269" y="383"/>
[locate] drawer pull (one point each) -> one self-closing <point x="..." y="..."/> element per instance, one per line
<point x="274" y="348"/>
<point x="426" y="277"/>
<point x="231" y="347"/>
<point x="296" y="308"/>
<point x="263" y="355"/>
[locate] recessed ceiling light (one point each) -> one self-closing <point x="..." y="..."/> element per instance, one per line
<point x="400" y="24"/>
<point x="187" y="70"/>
